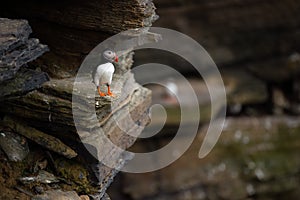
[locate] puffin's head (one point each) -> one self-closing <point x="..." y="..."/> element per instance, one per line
<point x="110" y="56"/>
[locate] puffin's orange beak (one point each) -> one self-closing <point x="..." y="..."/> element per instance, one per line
<point x="116" y="59"/>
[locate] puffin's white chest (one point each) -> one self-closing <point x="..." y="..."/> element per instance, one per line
<point x="104" y="74"/>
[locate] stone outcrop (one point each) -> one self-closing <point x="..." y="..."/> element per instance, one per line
<point x="16" y="50"/>
<point x="72" y="30"/>
<point x="44" y="116"/>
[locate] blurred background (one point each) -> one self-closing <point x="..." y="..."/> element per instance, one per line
<point x="255" y="45"/>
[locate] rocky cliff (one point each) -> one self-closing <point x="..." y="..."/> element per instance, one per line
<point x="51" y="153"/>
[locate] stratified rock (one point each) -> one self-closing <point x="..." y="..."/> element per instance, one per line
<point x="25" y="81"/>
<point x="16" y="49"/>
<point x="54" y="105"/>
<point x="95" y="21"/>
<point x="84" y="197"/>
<point x="39" y="137"/>
<point x="14" y="33"/>
<point x="57" y="195"/>
<point x="42" y="177"/>
<point x="14" y="145"/>
<point x="46" y="115"/>
<point x="121" y="134"/>
<point x="111" y="17"/>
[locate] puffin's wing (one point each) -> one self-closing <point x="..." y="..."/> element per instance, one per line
<point x="104" y="74"/>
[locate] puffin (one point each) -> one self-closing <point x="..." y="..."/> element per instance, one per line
<point x="104" y="72"/>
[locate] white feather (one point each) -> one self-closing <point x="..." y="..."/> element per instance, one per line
<point x="104" y="74"/>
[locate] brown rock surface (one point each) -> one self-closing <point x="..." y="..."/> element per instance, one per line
<point x="73" y="29"/>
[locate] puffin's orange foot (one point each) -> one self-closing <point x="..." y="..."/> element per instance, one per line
<point x="102" y="94"/>
<point x="110" y="94"/>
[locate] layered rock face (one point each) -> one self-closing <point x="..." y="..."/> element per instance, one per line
<point x="72" y="30"/>
<point x="16" y="50"/>
<point x="42" y="116"/>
